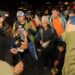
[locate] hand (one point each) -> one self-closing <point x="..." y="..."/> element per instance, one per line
<point x="13" y="50"/>
<point x="20" y="50"/>
<point x="18" y="68"/>
<point x="30" y="26"/>
<point x="56" y="63"/>
<point x="41" y="42"/>
<point x="18" y="31"/>
<point x="51" y="24"/>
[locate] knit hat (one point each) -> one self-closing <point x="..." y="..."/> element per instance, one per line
<point x="20" y="13"/>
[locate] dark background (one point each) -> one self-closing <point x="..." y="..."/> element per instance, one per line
<point x="12" y="4"/>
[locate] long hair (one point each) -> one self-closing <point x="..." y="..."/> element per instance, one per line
<point x="7" y="29"/>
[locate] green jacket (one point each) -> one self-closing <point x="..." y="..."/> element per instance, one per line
<point x="69" y="62"/>
<point x="26" y="27"/>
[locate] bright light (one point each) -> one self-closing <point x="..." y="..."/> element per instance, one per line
<point x="6" y="15"/>
<point x="66" y="3"/>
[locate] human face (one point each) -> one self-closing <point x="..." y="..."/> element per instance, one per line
<point x="61" y="49"/>
<point x="21" y="18"/>
<point x="55" y="13"/>
<point x="46" y="12"/>
<point x="44" y="24"/>
<point x="72" y="14"/>
<point x="1" y="19"/>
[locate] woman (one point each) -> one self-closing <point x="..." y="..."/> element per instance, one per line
<point x="7" y="42"/>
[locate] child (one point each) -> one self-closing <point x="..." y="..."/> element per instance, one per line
<point x="59" y="58"/>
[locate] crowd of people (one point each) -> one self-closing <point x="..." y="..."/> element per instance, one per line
<point x="48" y="37"/>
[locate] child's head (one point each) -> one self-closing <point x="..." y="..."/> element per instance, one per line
<point x="61" y="47"/>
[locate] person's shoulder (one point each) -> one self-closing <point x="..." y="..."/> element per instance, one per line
<point x="15" y="23"/>
<point x="63" y="17"/>
<point x="5" y="66"/>
<point x="50" y="28"/>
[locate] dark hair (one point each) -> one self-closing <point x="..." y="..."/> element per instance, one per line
<point x="56" y="8"/>
<point x="61" y="44"/>
<point x="7" y="31"/>
<point x="7" y="28"/>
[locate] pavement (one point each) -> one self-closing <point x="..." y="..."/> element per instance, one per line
<point x="33" y="68"/>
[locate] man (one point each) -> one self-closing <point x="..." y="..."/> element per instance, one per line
<point x="58" y="22"/>
<point x="5" y="54"/>
<point x="21" y="24"/>
<point x="69" y="37"/>
<point x="47" y="35"/>
<point x="66" y="12"/>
